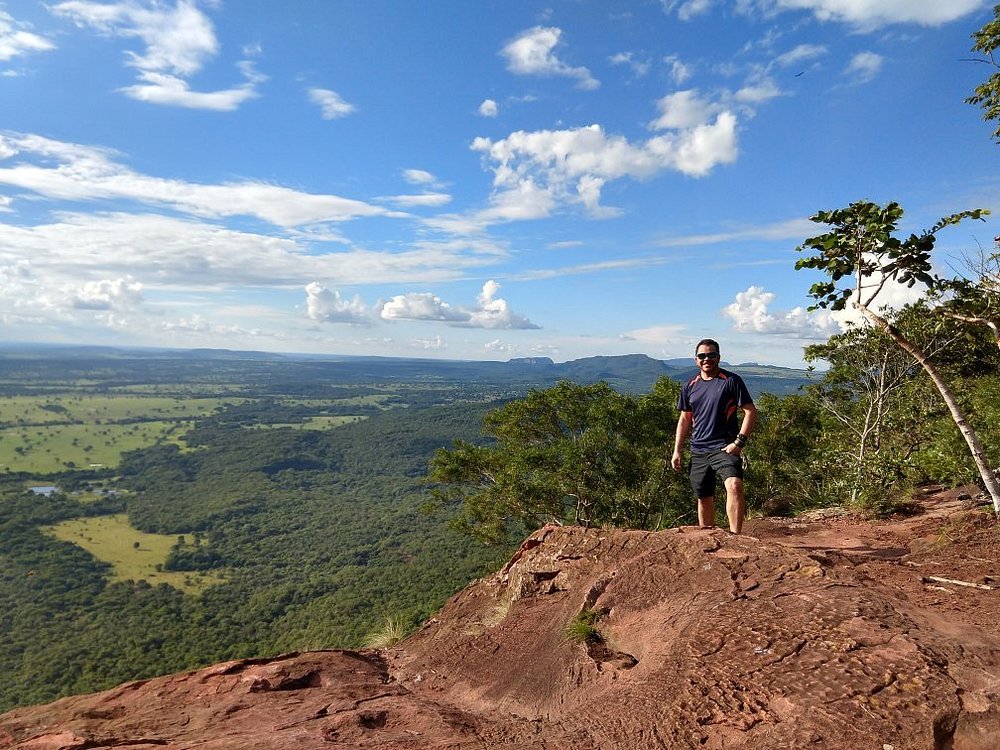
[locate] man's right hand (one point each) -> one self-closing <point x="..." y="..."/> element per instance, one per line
<point x="676" y="461"/>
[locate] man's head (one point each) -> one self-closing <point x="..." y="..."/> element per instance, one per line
<point x="706" y="356"/>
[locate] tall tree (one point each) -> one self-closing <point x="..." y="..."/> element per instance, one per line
<point x="582" y="454"/>
<point x="975" y="298"/>
<point x="882" y="404"/>
<point x="862" y="249"/>
<point x="987" y="95"/>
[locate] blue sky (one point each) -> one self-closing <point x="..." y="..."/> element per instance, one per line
<point x="466" y="179"/>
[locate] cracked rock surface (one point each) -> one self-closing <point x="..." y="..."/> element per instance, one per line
<point x="824" y="631"/>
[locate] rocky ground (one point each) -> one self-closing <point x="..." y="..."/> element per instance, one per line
<point x="824" y="631"/>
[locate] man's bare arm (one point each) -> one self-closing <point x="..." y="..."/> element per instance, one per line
<point x="684" y="422"/>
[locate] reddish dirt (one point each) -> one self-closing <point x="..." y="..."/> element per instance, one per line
<point x="824" y="631"/>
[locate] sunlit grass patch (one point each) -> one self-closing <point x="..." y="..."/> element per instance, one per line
<point x="326" y="423"/>
<point x="43" y="449"/>
<point x="133" y="554"/>
<point x="91" y="409"/>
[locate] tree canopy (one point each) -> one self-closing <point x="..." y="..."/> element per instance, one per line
<point x="860" y="256"/>
<point x="987" y="96"/>
<point x="582" y="454"/>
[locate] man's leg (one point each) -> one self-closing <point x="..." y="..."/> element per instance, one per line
<point x="706" y="512"/>
<point x="736" y="505"/>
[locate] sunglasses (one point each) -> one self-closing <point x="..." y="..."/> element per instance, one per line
<point x="707" y="355"/>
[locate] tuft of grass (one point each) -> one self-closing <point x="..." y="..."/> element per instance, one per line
<point x="583" y="627"/>
<point x="393" y="630"/>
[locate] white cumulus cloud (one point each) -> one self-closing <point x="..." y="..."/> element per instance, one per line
<point x="106" y="294"/>
<point x="421" y="306"/>
<point x="490" y="311"/>
<point x="750" y="312"/>
<point x="532" y="53"/>
<point x="683" y="109"/>
<point x="494" y="312"/>
<point x="571" y="165"/>
<point x="327" y="306"/>
<point x="489" y="108"/>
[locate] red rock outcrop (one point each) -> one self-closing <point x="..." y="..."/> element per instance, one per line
<point x="830" y="633"/>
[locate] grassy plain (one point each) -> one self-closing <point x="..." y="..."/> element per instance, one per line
<point x="100" y="408"/>
<point x="44" y="449"/>
<point x="310" y="423"/>
<point x="54" y="432"/>
<point x="133" y="554"/>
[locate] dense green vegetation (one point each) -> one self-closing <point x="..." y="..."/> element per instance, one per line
<point x="312" y="537"/>
<point x="582" y="454"/>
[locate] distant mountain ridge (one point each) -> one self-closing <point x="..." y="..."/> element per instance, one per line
<point x="629" y="372"/>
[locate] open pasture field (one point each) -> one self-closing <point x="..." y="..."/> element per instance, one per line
<point x="51" y="448"/>
<point x="133" y="553"/>
<point x="322" y="422"/>
<point x="54" y="432"/>
<point x="100" y="408"/>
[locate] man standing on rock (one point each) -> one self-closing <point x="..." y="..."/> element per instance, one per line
<point x="708" y="404"/>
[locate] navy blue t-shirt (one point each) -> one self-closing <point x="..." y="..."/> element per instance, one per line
<point x="713" y="403"/>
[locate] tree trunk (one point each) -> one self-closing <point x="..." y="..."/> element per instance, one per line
<point x="990" y="480"/>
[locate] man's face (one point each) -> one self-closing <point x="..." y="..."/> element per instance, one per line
<point x="707" y="359"/>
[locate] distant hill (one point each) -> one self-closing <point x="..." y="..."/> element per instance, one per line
<point x="634" y="373"/>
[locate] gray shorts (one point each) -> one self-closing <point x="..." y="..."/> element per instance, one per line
<point x="705" y="467"/>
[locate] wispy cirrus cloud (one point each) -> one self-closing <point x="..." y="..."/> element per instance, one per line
<point x="16" y="40"/>
<point x="868" y="15"/>
<point x="420" y="200"/>
<point x="177" y="41"/>
<point x="66" y="171"/>
<point x="792" y="229"/>
<point x="331" y="104"/>
<point x="800" y="54"/>
<point x="864" y="66"/>
<point x="639" y="67"/>
<point x="186" y="254"/>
